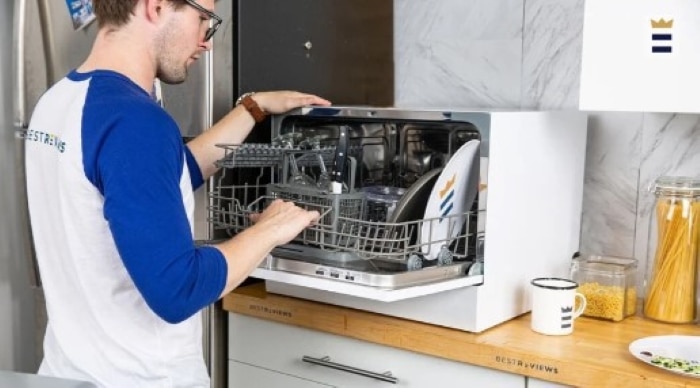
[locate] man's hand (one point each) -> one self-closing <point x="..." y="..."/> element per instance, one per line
<point x="285" y="100"/>
<point x="276" y="225"/>
<point x="284" y="220"/>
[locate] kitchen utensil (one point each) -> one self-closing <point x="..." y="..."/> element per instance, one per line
<point x="674" y="353"/>
<point x="341" y="157"/>
<point x="452" y="194"/>
<point x="324" y="179"/>
<point x="299" y="178"/>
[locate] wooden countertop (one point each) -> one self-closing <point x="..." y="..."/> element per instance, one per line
<point x="595" y="355"/>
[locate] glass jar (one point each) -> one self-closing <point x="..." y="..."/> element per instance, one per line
<point x="672" y="265"/>
<point x="609" y="284"/>
<point x="380" y="202"/>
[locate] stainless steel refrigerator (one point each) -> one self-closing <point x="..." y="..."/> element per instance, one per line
<point x="342" y="50"/>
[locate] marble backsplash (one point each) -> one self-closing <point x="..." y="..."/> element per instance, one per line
<point x="526" y="54"/>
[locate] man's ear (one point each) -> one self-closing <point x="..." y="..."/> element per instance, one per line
<point x="154" y="9"/>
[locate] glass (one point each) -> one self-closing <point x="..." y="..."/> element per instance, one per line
<point x="609" y="285"/>
<point x="380" y="202"/>
<point x="672" y="265"/>
<point x="217" y="20"/>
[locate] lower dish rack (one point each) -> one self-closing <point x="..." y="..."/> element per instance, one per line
<point x="343" y="227"/>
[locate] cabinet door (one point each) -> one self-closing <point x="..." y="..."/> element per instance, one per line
<point x="245" y="376"/>
<point x="537" y="383"/>
<point x="282" y="348"/>
<point x="341" y="50"/>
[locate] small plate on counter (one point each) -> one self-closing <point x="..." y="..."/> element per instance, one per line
<point x="678" y="354"/>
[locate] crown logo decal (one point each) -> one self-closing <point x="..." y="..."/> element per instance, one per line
<point x="661" y="23"/>
<point x="662" y="36"/>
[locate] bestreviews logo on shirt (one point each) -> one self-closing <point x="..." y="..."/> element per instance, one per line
<point x="45" y="138"/>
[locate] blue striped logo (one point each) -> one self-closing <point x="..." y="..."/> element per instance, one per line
<point x="447" y="193"/>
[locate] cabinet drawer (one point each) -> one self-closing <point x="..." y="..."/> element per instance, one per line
<point x="281" y="348"/>
<point x="245" y="376"/>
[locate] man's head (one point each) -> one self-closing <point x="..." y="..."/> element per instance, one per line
<point x="181" y="29"/>
<point x="113" y="12"/>
<point x="117" y="13"/>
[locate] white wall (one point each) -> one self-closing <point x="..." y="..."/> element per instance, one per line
<point x="17" y="334"/>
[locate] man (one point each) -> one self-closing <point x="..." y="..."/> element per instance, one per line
<point x="110" y="194"/>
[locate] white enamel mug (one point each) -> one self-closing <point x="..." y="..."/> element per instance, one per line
<point x="554" y="305"/>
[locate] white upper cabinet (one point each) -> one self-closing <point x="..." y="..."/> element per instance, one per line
<point x="641" y="56"/>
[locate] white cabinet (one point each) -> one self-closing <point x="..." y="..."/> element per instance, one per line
<point x="537" y="383"/>
<point x="244" y="375"/>
<point x="272" y="354"/>
<point x="634" y="59"/>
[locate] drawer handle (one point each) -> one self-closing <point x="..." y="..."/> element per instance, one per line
<point x="326" y="361"/>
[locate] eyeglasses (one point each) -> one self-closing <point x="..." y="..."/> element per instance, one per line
<point x="217" y="20"/>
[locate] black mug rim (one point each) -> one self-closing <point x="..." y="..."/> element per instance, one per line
<point x="572" y="286"/>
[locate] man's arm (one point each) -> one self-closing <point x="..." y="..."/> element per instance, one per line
<point x="237" y="124"/>
<point x="278" y="224"/>
<point x="281" y="221"/>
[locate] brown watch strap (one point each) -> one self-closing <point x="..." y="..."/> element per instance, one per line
<point x="252" y="107"/>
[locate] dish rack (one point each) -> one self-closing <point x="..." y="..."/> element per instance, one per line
<point x="344" y="225"/>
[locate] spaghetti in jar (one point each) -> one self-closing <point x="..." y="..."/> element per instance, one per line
<point x="672" y="275"/>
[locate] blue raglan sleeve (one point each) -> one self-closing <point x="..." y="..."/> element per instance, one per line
<point x="138" y="170"/>
<point x="195" y="171"/>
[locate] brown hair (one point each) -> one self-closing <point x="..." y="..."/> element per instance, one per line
<point x="118" y="12"/>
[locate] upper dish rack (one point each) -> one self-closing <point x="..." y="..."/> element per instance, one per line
<point x="270" y="155"/>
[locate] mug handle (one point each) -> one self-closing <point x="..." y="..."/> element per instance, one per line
<point x="582" y="305"/>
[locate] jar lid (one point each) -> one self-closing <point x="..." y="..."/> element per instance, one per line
<point x="677" y="185"/>
<point x="607" y="264"/>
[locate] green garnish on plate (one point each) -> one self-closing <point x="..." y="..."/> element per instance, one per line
<point x="677" y="364"/>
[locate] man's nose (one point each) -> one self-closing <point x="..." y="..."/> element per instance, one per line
<point x="206" y="46"/>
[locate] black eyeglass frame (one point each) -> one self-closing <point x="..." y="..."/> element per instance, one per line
<point x="217" y="20"/>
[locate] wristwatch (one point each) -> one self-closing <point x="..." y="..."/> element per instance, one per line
<point x="246" y="99"/>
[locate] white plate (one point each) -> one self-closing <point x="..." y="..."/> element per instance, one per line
<point x="653" y="350"/>
<point x="453" y="193"/>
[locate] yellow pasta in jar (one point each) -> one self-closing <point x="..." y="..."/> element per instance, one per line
<point x="608" y="302"/>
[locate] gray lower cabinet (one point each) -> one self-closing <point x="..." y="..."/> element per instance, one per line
<point x="268" y="354"/>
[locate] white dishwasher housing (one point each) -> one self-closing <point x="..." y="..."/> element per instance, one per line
<point x="530" y="203"/>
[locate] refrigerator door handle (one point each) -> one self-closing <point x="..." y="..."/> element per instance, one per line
<point x="48" y="39"/>
<point x="21" y="124"/>
<point x="19" y="45"/>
